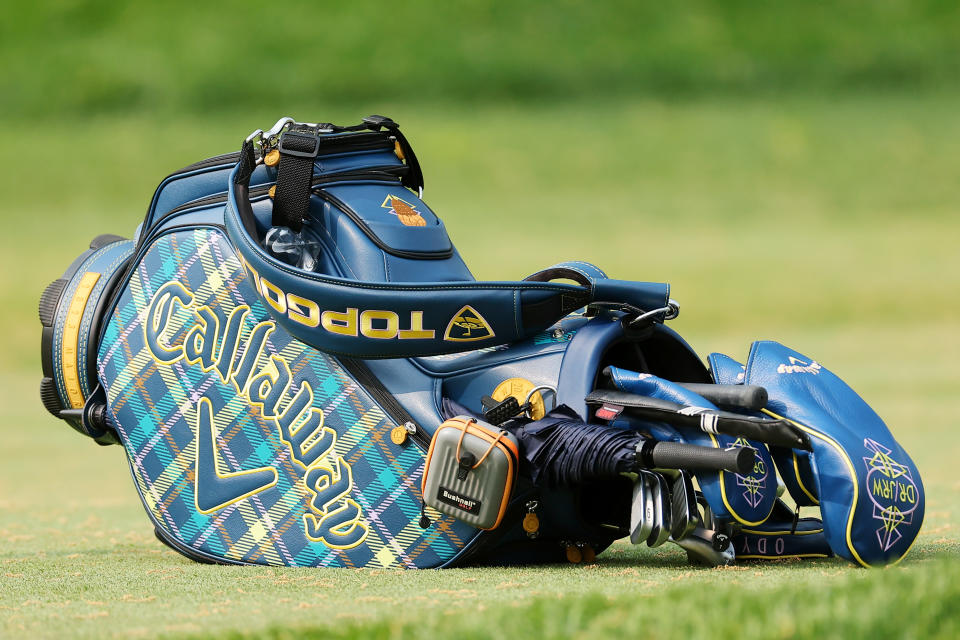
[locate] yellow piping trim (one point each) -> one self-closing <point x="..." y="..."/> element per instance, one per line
<point x="781" y="533"/>
<point x="853" y="475"/>
<point x="71" y="338"/>
<point x="723" y="495"/>
<point x="795" y="555"/>
<point x="796" y="473"/>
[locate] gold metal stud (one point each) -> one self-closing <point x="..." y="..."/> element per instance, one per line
<point x="398" y="435"/>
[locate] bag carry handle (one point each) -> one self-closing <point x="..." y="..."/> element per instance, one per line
<point x="390" y="320"/>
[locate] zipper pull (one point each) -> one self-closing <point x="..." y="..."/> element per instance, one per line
<point x="531" y="522"/>
<point x="574" y="556"/>
<point x="424" y="520"/>
<point x="399" y="434"/>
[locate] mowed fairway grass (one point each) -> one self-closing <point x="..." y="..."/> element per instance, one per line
<point x="829" y="223"/>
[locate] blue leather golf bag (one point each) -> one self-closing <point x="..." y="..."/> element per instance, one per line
<point x="278" y="345"/>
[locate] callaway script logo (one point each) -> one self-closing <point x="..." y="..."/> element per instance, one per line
<point x="799" y="366"/>
<point x="238" y="355"/>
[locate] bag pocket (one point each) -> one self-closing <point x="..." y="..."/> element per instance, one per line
<point x="470" y="471"/>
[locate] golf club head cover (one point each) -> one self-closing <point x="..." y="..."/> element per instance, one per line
<point x="869" y="491"/>
<point x="793" y="464"/>
<point x="782" y="536"/>
<point x="746" y="499"/>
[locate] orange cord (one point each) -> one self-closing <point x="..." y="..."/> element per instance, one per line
<point x="463" y="432"/>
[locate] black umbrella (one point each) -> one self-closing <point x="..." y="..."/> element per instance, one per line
<point x="561" y="450"/>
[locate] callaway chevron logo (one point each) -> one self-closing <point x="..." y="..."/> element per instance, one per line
<point x="237" y="353"/>
<point x="213" y="489"/>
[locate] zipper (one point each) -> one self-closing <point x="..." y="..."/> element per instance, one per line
<point x="224" y="158"/>
<point x="387" y="401"/>
<point x="356" y="142"/>
<point x="373" y="173"/>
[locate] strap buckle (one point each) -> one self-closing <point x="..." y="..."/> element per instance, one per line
<point x="375" y="122"/>
<point x="300" y="144"/>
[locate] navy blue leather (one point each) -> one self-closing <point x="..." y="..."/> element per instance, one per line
<point x="871" y="495"/>
<point x="352" y="255"/>
<point x="581" y="362"/>
<point x="366" y="200"/>
<point x="501" y="307"/>
<point x="725" y="370"/>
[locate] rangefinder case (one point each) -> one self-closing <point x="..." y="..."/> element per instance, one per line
<point x="470" y="470"/>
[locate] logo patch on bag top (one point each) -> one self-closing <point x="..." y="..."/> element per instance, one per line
<point x="405" y="211"/>
<point x="467" y="325"/>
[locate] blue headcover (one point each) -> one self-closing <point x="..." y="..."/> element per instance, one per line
<point x="783" y="534"/>
<point x="747" y="499"/>
<point x="869" y="491"/>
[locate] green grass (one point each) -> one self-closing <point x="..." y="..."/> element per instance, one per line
<point x="829" y="224"/>
<point x="64" y="57"/>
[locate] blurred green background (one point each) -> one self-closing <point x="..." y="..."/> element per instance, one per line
<point x="791" y="168"/>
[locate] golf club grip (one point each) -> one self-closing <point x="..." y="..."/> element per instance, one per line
<point x="741" y="396"/>
<point x="679" y="455"/>
<point x="776" y="432"/>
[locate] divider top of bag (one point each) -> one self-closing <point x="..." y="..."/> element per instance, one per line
<point x="371" y="226"/>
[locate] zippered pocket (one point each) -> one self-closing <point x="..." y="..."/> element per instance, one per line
<point x="390" y="405"/>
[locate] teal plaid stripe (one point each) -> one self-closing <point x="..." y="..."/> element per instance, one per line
<point x="154" y="406"/>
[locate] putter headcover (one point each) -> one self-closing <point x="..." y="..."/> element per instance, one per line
<point x="868" y="489"/>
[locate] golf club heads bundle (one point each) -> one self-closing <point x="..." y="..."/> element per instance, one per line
<point x="279" y="346"/>
<point x="665" y="507"/>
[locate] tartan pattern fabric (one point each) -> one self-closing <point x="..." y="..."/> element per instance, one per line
<point x="154" y="406"/>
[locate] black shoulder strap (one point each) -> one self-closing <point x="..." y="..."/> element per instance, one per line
<point x="299" y="146"/>
<point x="298" y="149"/>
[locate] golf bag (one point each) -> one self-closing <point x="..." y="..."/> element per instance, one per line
<point x="291" y="331"/>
